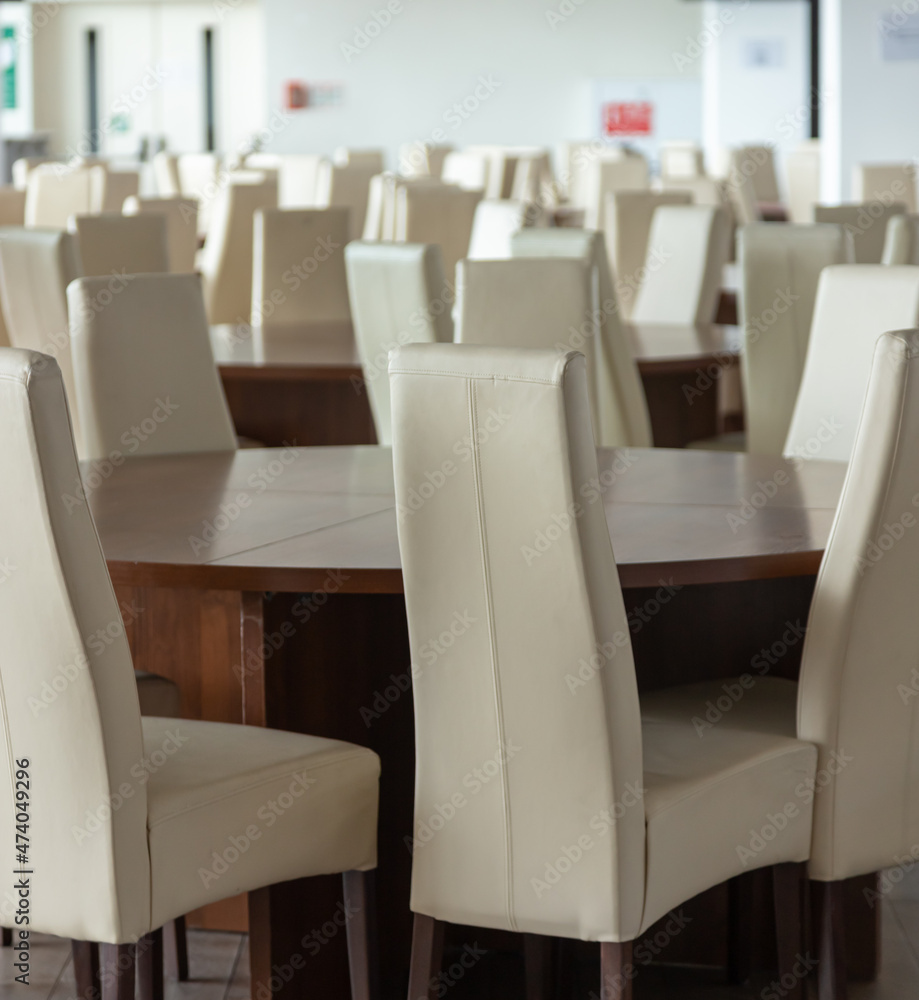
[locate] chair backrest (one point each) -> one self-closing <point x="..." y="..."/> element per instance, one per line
<point x="119" y="186"/>
<point x="802" y="179"/>
<point x="181" y="227"/>
<point x="368" y="159"/>
<point x="687" y="250"/>
<point x="901" y="242"/>
<point x="22" y="167"/>
<point x="681" y="160"/>
<point x="493" y="225"/>
<point x="298" y="177"/>
<point x="866" y="222"/>
<point x="509" y="551"/>
<point x="855" y="305"/>
<point x="704" y="190"/>
<point x="202" y="176"/>
<point x="467" y="170"/>
<point x="605" y="177"/>
<point x="437" y="213"/>
<point x="422" y="159"/>
<point x="132" y="244"/>
<point x="858" y="685"/>
<point x="622" y="409"/>
<point x="298" y="268"/>
<point x="145" y="376"/>
<point x="36" y="266"/>
<point x="166" y="175"/>
<point x="627" y="228"/>
<point x="346" y="187"/>
<point x="71" y="702"/>
<point x="226" y="262"/>
<point x="502" y="164"/>
<point x="758" y="163"/>
<point x="885" y="182"/>
<point x="534" y="181"/>
<point x="399" y="295"/>
<point x="578" y="157"/>
<point x="54" y="193"/>
<point x="780" y="269"/>
<point x="12" y="206"/>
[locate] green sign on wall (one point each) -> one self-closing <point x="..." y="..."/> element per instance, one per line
<point x="8" y="63"/>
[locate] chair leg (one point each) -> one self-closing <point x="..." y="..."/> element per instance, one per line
<point x="787" y="885"/>
<point x="86" y="969"/>
<point x="360" y="904"/>
<point x="117" y="971"/>
<point x="740" y="937"/>
<point x="616" y="970"/>
<point x="831" y="968"/>
<point x="538" y="961"/>
<point x="150" y="965"/>
<point x="427" y="955"/>
<point x="176" y="944"/>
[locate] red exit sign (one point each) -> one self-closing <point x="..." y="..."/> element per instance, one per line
<point x="628" y="118"/>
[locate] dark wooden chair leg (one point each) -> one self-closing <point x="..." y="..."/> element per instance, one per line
<point x="360" y="904"/>
<point x="740" y="935"/>
<point x="831" y="968"/>
<point x="176" y="942"/>
<point x="7" y="937"/>
<point x="427" y="955"/>
<point x="150" y="966"/>
<point x="86" y="969"/>
<point x="538" y="959"/>
<point x="117" y="971"/>
<point x="616" y="970"/>
<point x="787" y="885"/>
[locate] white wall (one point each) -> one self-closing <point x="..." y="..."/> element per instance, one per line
<point x="433" y="53"/>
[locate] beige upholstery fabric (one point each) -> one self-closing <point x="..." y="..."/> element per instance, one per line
<point x="145" y="376"/>
<point x="123" y="244"/>
<point x="437" y="213"/>
<point x="25" y="165"/>
<point x="681" y="160"/>
<point x="885" y="182"/>
<point x="628" y="227"/>
<point x="202" y="177"/>
<point x="423" y="159"/>
<point x="502" y="164"/>
<point x="12" y="206"/>
<point x="369" y="159"/>
<point x="780" y="268"/>
<point x="622" y="407"/>
<point x="299" y="266"/>
<point x="226" y="262"/>
<point x="181" y="227"/>
<point x="605" y="177"/>
<point x="866" y="222"/>
<point x="855" y="305"/>
<point x="901" y="244"/>
<point x="802" y="178"/>
<point x="399" y="295"/>
<point x="687" y="251"/>
<point x="298" y="176"/>
<point x="493" y="225"/>
<point x="533" y="180"/>
<point x="629" y="831"/>
<point x="166" y="175"/>
<point x="704" y="190"/>
<point x="346" y="187"/>
<point x="758" y="163"/>
<point x="119" y="186"/>
<point x="466" y="170"/>
<point x="55" y="193"/>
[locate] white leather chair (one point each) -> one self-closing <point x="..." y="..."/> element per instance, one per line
<point x="466" y="170"/>
<point x="502" y="164"/>
<point x="203" y="177"/>
<point x="591" y="825"/>
<point x="117" y="244"/>
<point x="436" y="213"/>
<point x="855" y="305"/>
<point x="885" y="182"/>
<point x="622" y="409"/>
<point x="780" y="267"/>
<point x="534" y="181"/>
<point x="423" y="159"/>
<point x="856" y="695"/>
<point x="55" y="192"/>
<point x="627" y="227"/>
<point x="181" y="227"/>
<point x="119" y="186"/>
<point x="226" y="261"/>
<point x="866" y="222"/>
<point x="901" y="242"/>
<point x="687" y="250"/>
<point x="681" y="159"/>
<point x="298" y="267"/>
<point x="346" y="186"/>
<point x="368" y="159"/>
<point x="12" y="206"/>
<point x="605" y="177"/>
<point x="298" y="177"/>
<point x="146" y="381"/>
<point x="493" y="225"/>
<point x="802" y="179"/>
<point x="166" y="174"/>
<point x="579" y="158"/>
<point x="399" y="295"/>
<point x="758" y="163"/>
<point x="141" y="868"/>
<point x="22" y="167"/>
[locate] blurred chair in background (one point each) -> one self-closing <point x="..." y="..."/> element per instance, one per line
<point x="181" y="227"/>
<point x="122" y="244"/>
<point x="866" y="222"/>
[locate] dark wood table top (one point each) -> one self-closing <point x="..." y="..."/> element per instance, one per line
<point x="321" y="518"/>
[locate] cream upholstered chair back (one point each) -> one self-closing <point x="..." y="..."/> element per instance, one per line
<point x="123" y="244"/>
<point x="866" y="222"/>
<point x="399" y="295"/>
<point x="119" y="186"/>
<point x="622" y="409"/>
<point x="502" y="164"/>
<point x="855" y="305"/>
<point x="423" y="159"/>
<point x="298" y="273"/>
<point x="758" y="163"/>
<point x="298" y="176"/>
<point x="36" y="266"/>
<point x="605" y="176"/>
<point x="346" y="186"/>
<point x="166" y="175"/>
<point x="145" y="376"/>
<point x="510" y="552"/>
<point x="56" y="192"/>
<point x="493" y="226"/>
<point x="857" y="691"/>
<point x="25" y="165"/>
<point x="533" y="180"/>
<point x="437" y="213"/>
<point x="901" y="243"/>
<point x="368" y="159"/>
<point x="82" y="743"/>
<point x="885" y="182"/>
<point x="12" y="206"/>
<point x="680" y="159"/>
<point x="704" y="190"/>
<point x="802" y="180"/>
<point x="687" y="250"/>
<point x="198" y="174"/>
<point x="181" y="227"/>
<point x="627" y="228"/>
<point x="466" y="170"/>
<point x="780" y="268"/>
<point x="226" y="262"/>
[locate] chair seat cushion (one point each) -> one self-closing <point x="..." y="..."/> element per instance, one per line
<point x="157" y="695"/>
<point x="234" y="808"/>
<point x="730" y="797"/>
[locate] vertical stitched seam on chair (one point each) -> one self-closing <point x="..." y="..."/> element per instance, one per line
<point x="489" y="612"/>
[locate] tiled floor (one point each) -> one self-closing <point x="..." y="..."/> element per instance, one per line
<point x="220" y="969"/>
